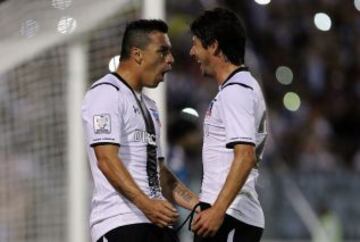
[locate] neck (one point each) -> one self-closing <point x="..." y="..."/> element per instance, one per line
<point x="223" y="71"/>
<point x="131" y="75"/>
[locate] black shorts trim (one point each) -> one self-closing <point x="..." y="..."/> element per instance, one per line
<point x="139" y="233"/>
<point x="240" y="231"/>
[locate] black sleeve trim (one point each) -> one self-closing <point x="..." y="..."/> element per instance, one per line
<point x="104" y="143"/>
<point x="105" y="83"/>
<point x="232" y="144"/>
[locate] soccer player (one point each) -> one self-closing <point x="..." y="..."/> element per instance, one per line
<point x="122" y="129"/>
<point x="234" y="133"/>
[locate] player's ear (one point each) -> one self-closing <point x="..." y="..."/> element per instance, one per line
<point x="214" y="48"/>
<point x="136" y="54"/>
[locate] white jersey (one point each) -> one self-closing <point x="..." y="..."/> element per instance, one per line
<point x="111" y="114"/>
<point x="235" y="116"/>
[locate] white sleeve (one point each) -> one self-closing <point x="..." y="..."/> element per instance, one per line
<point x="101" y="116"/>
<point x="237" y="107"/>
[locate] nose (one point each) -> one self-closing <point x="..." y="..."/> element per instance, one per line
<point x="192" y="52"/>
<point x="170" y="59"/>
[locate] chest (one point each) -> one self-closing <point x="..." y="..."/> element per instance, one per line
<point x="214" y="115"/>
<point x="134" y="117"/>
<point x="214" y="122"/>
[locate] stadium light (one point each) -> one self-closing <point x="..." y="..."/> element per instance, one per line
<point x="61" y="4"/>
<point x="357" y="4"/>
<point x="29" y="28"/>
<point x="114" y="63"/>
<point x="284" y="75"/>
<point x="292" y="101"/>
<point x="262" y="2"/>
<point x="190" y="111"/>
<point x="66" y="25"/>
<point x="322" y="21"/>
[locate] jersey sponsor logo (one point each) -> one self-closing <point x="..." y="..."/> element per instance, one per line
<point x="144" y="137"/>
<point x="102" y="123"/>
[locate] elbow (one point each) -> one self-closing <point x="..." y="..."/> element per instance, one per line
<point x="251" y="161"/>
<point x="246" y="162"/>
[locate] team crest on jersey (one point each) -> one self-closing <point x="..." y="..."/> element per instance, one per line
<point x="156" y="115"/>
<point x="102" y="123"/>
<point x="136" y="109"/>
<point x="209" y="110"/>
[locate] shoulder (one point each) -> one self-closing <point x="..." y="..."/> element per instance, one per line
<point x="107" y="85"/>
<point x="103" y="91"/>
<point x="243" y="80"/>
<point x="240" y="85"/>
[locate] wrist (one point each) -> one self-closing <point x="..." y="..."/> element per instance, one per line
<point x="220" y="208"/>
<point x="142" y="202"/>
<point x="194" y="203"/>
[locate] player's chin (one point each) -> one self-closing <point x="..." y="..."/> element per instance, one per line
<point x="204" y="73"/>
<point x="161" y="78"/>
<point x="155" y="84"/>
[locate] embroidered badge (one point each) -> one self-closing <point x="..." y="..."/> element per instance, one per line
<point x="102" y="123"/>
<point x="209" y="110"/>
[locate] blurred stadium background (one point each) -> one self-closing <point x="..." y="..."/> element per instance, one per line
<point x="305" y="54"/>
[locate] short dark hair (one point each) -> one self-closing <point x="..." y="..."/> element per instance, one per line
<point x="136" y="34"/>
<point x="226" y="28"/>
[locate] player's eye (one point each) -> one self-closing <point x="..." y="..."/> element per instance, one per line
<point x="164" y="52"/>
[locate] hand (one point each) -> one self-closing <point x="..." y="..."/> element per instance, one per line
<point x="160" y="212"/>
<point x="208" y="222"/>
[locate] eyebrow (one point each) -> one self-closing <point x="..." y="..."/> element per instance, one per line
<point x="164" y="48"/>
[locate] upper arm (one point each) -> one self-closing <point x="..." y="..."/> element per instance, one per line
<point x="245" y="152"/>
<point x="237" y="107"/>
<point x="106" y="152"/>
<point x="101" y="116"/>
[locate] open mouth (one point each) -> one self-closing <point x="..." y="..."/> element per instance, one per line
<point x="164" y="72"/>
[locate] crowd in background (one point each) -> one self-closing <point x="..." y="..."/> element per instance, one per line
<point x="324" y="133"/>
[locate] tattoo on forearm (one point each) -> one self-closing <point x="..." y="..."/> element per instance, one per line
<point x="184" y="193"/>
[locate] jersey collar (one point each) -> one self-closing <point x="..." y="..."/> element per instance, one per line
<point x="122" y="80"/>
<point x="237" y="70"/>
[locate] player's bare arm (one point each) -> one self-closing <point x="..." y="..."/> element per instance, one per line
<point x="174" y="190"/>
<point x="159" y="212"/>
<point x="209" y="221"/>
